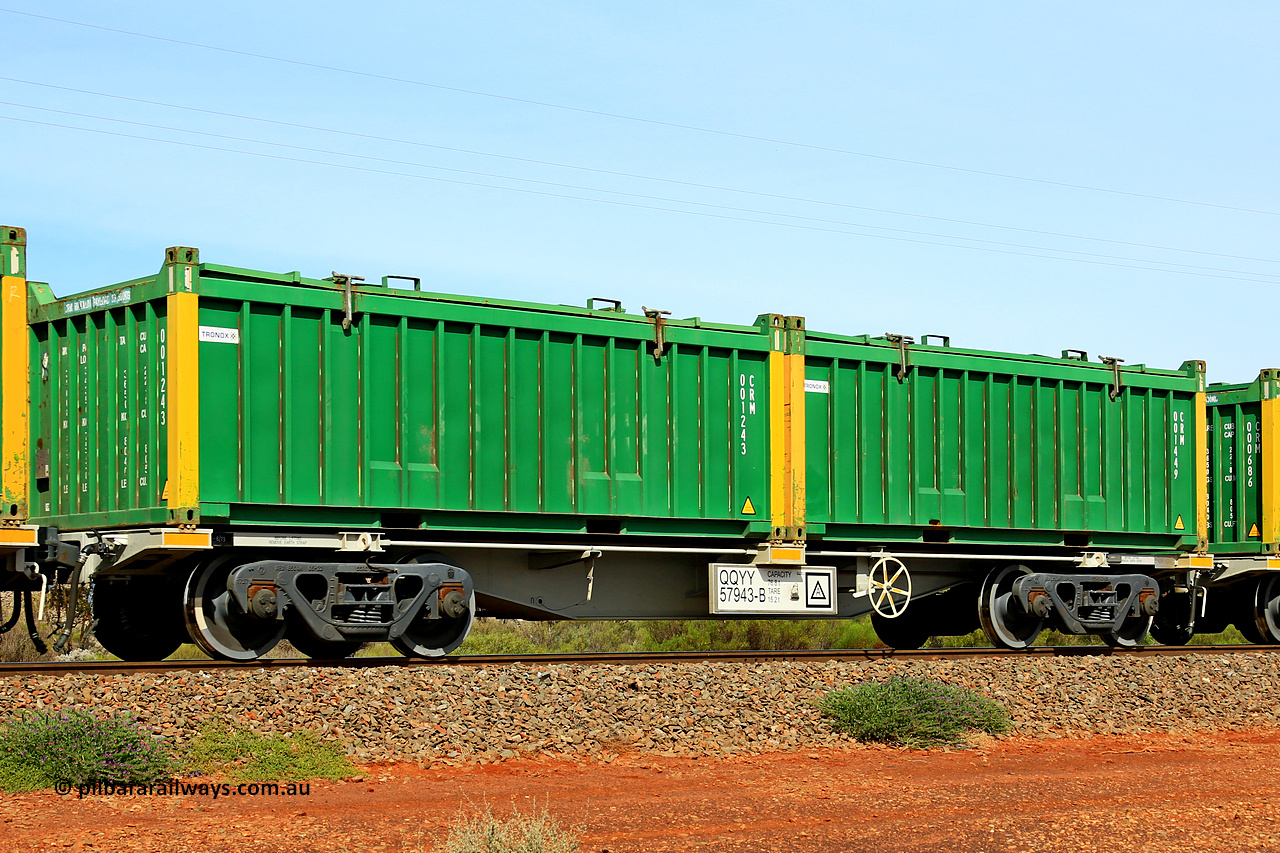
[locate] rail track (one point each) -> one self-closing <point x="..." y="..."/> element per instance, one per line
<point x="116" y="667"/>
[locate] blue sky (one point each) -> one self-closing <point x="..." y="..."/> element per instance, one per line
<point x="1148" y="128"/>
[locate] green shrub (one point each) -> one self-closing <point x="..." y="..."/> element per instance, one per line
<point x="511" y="636"/>
<point x="500" y="636"/>
<point x="520" y="833"/>
<point x="46" y="748"/>
<point x="912" y="712"/>
<point x="672" y="635"/>
<point x="252" y="757"/>
<point x="492" y="636"/>
<point x="1231" y="635"/>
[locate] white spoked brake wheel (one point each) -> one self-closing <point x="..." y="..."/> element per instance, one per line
<point x="889" y="587"/>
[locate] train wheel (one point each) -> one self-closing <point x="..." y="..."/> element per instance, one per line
<point x="1131" y="632"/>
<point x="214" y="621"/>
<point x="1174" y="623"/>
<point x="433" y="638"/>
<point x="1003" y="620"/>
<point x="905" y="632"/>
<point x="1262" y="603"/>
<point x="138" y="618"/>
<point x="304" y="641"/>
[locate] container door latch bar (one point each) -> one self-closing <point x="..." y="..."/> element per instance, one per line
<point x="903" y="341"/>
<point x="1116" y="382"/>
<point x="347" y="309"/>
<point x="659" y="333"/>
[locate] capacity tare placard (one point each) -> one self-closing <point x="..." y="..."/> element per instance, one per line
<point x="739" y="588"/>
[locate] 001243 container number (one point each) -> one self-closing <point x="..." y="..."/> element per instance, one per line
<point x="746" y="406"/>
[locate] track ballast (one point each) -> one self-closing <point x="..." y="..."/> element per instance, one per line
<point x="114" y="667"/>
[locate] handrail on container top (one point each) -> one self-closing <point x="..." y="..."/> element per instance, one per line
<point x="417" y="282"/>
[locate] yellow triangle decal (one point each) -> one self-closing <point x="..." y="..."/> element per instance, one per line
<point x="748" y="508"/>
<point x="164" y="493"/>
<point x="1253" y="531"/>
<point x="1178" y="525"/>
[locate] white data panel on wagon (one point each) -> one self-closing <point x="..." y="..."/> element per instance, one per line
<point x="736" y="588"/>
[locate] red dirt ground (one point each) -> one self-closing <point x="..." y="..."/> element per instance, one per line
<point x="1172" y="792"/>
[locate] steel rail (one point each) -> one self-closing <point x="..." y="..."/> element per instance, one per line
<point x="115" y="667"/>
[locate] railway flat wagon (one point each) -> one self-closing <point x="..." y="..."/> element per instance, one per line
<point x="1244" y="485"/>
<point x="233" y="456"/>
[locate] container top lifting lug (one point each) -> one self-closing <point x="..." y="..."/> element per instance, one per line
<point x="615" y="305"/>
<point x="417" y="282"/>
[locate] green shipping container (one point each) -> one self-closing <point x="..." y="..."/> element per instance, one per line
<point x="935" y="444"/>
<point x="1244" y="466"/>
<point x="214" y="395"/>
<point x="390" y="407"/>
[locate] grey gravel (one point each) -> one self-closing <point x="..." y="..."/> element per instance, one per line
<point x="460" y="714"/>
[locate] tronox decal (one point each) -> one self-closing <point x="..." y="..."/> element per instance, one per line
<point x="219" y="335"/>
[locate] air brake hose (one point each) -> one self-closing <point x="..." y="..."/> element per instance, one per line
<point x="41" y="648"/>
<point x="13" y="616"/>
<point x="63" y="639"/>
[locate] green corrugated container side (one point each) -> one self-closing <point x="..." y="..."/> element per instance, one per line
<point x="98" y="406"/>
<point x="489" y="415"/>
<point x="983" y="447"/>
<point x="1237" y="469"/>
<point x="429" y="409"/>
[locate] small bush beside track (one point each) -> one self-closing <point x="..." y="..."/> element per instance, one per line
<point x="913" y="712"/>
<point x="251" y="757"/>
<point x="44" y="748"/>
<point x="538" y="832"/>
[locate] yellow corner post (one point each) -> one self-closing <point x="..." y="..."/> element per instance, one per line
<point x="777" y="439"/>
<point x="796" y="429"/>
<point x="15" y="389"/>
<point x="1270" y="437"/>
<point x="787" y="429"/>
<point x="1202" y="462"/>
<point x="182" y="373"/>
